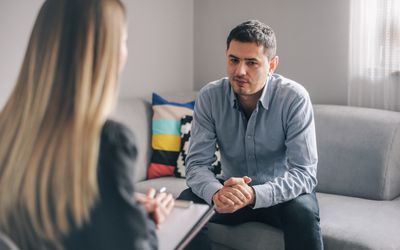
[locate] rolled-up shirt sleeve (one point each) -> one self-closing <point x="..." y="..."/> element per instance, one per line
<point x="199" y="176"/>
<point x="301" y="154"/>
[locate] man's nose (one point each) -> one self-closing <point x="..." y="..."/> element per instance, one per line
<point x="240" y="69"/>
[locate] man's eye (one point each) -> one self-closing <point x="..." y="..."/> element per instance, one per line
<point x="234" y="61"/>
<point x="252" y="63"/>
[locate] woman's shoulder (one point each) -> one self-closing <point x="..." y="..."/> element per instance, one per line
<point x="117" y="134"/>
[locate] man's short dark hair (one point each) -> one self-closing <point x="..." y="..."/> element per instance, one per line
<point x="254" y="31"/>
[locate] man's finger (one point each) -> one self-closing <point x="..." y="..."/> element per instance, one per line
<point x="222" y="208"/>
<point x="226" y="209"/>
<point x="244" y="191"/>
<point x="226" y="200"/>
<point x="235" y="194"/>
<point x="233" y="181"/>
<point x="217" y="201"/>
<point x="247" y="179"/>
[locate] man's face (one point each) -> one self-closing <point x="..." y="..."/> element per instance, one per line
<point x="248" y="67"/>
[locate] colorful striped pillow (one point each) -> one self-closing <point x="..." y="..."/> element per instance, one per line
<point x="180" y="170"/>
<point x="166" y="135"/>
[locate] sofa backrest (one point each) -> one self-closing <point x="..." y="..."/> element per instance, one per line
<point x="136" y="113"/>
<point x="358" y="148"/>
<point x="359" y="151"/>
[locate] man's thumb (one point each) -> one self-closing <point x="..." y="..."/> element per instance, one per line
<point x="247" y="179"/>
<point x="233" y="181"/>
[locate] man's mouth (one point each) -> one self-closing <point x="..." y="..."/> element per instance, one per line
<point x="240" y="81"/>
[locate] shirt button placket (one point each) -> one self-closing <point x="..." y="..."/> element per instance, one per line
<point x="250" y="146"/>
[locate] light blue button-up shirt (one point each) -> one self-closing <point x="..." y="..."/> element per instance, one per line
<point x="276" y="146"/>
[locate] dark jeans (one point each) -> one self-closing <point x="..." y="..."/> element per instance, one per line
<point x="297" y="218"/>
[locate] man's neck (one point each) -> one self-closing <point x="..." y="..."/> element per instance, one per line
<point x="249" y="103"/>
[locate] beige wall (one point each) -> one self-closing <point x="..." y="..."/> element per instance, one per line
<point x="312" y="40"/>
<point x="160" y="45"/>
<point x="16" y="21"/>
<point x="178" y="45"/>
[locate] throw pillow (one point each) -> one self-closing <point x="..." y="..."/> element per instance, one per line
<point x="166" y="139"/>
<point x="180" y="170"/>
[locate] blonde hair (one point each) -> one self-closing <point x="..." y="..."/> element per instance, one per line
<point x="50" y="126"/>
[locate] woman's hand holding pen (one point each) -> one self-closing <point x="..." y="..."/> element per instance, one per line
<point x="157" y="204"/>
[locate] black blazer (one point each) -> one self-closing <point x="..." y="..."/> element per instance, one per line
<point x="116" y="221"/>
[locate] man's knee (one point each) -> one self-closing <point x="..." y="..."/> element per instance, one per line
<point x="302" y="210"/>
<point x="188" y="195"/>
<point x="301" y="223"/>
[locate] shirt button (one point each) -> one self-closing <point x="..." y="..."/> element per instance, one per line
<point x="249" y="137"/>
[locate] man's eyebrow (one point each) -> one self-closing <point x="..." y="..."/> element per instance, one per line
<point x="251" y="59"/>
<point x="246" y="59"/>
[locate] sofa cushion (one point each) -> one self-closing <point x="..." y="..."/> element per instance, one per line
<point x="358" y="151"/>
<point x="180" y="170"/>
<point x="355" y="223"/>
<point x="166" y="136"/>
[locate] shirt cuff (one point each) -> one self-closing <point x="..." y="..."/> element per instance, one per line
<point x="210" y="190"/>
<point x="264" y="196"/>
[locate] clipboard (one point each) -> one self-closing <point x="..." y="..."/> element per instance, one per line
<point x="182" y="225"/>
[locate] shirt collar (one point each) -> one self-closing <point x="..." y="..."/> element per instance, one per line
<point x="264" y="99"/>
<point x="266" y="94"/>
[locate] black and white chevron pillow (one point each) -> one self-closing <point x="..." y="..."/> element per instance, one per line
<point x="180" y="170"/>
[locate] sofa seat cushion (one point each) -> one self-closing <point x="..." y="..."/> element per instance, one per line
<point x="346" y="222"/>
<point x="354" y="223"/>
<point x="174" y="185"/>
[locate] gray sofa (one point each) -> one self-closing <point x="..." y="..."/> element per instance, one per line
<point x="358" y="173"/>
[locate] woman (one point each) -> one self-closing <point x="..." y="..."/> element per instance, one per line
<point x="65" y="171"/>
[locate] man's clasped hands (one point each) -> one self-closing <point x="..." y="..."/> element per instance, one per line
<point x="234" y="195"/>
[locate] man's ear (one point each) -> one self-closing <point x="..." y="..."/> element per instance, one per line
<point x="273" y="64"/>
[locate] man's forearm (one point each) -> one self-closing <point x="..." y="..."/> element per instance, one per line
<point x="203" y="182"/>
<point x="284" y="188"/>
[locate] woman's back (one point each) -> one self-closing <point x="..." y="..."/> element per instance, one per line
<point x="117" y="221"/>
<point x="54" y="187"/>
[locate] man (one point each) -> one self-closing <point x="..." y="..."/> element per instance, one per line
<point x="264" y="126"/>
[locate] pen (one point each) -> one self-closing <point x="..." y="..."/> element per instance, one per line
<point x="161" y="190"/>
